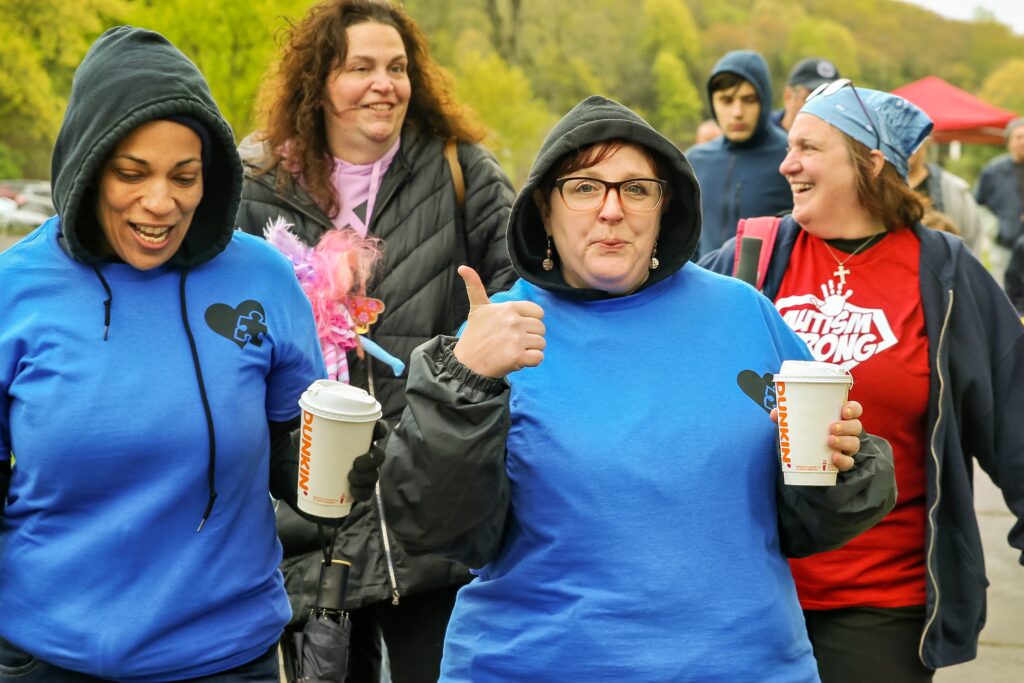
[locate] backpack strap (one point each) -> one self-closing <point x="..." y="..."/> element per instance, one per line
<point x="451" y="153"/>
<point x="764" y="228"/>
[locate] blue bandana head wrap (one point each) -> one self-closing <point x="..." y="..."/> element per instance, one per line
<point x="902" y="126"/>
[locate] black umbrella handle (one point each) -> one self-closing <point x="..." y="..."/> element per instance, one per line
<point x="330" y="593"/>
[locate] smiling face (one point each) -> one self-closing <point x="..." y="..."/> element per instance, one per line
<point x="149" y="189"/>
<point x="823" y="179"/>
<point x="367" y="96"/>
<point x="606" y="248"/>
<point x="737" y="110"/>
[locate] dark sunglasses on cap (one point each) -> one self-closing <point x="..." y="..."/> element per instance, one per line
<point x="826" y="89"/>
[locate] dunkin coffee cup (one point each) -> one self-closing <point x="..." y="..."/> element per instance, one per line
<point x="337" y="426"/>
<point x="810" y="396"/>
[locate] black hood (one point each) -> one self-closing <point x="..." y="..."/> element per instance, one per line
<point x="131" y="76"/>
<point x="751" y="67"/>
<point x="593" y="120"/>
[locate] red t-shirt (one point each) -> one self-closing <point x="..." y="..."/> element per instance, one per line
<point x="867" y="317"/>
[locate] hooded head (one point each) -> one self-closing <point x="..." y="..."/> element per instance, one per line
<point x="592" y="121"/>
<point x="128" y="78"/>
<point x="750" y="68"/>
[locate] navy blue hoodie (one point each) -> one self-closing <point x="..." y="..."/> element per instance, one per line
<point x="741" y="179"/>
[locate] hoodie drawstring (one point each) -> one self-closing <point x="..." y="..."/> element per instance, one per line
<point x="106" y="304"/>
<point x="211" y="468"/>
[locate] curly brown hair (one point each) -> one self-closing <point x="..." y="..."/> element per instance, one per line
<point x="293" y="97"/>
<point x="886" y="196"/>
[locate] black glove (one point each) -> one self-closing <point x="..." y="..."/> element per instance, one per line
<point x="362" y="478"/>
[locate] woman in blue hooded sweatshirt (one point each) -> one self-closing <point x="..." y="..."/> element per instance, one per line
<point x="597" y="442"/>
<point x="151" y="359"/>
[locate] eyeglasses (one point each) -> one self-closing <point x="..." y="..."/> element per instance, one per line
<point x="826" y="89"/>
<point x="635" y="194"/>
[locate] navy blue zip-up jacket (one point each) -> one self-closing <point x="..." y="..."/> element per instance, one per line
<point x="741" y="179"/>
<point x="976" y="400"/>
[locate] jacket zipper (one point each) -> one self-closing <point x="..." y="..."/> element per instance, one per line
<point x="380" y="507"/>
<point x="938" y="479"/>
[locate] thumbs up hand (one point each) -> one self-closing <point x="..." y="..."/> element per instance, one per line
<point x="498" y="338"/>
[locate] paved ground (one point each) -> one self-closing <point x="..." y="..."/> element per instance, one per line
<point x="1001" y="651"/>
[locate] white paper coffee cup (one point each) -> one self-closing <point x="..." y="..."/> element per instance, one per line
<point x="810" y="396"/>
<point x="337" y="426"/>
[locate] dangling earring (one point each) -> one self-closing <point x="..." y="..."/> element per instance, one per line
<point x="547" y="263"/>
<point x="654" y="256"/>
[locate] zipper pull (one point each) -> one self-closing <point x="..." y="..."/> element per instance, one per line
<point x="394" y="597"/>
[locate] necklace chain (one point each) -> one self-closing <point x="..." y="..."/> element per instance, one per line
<point x="842" y="271"/>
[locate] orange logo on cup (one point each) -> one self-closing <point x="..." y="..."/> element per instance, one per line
<point x="780" y="397"/>
<point x="304" y="451"/>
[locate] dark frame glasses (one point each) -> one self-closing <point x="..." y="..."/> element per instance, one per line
<point x="827" y="89"/>
<point x="608" y="186"/>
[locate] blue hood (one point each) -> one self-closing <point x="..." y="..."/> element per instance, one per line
<point x="751" y="67"/>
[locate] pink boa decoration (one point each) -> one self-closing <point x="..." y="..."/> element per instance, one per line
<point x="340" y="265"/>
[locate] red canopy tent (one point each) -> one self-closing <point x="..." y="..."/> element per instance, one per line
<point x="958" y="115"/>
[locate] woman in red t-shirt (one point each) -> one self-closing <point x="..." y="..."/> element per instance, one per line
<point x="930" y="338"/>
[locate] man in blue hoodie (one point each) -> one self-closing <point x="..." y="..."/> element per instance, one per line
<point x="738" y="172"/>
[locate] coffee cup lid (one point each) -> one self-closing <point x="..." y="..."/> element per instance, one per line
<point x="340" y="401"/>
<point x="812" y="371"/>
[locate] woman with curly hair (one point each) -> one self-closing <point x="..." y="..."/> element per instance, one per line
<point x="357" y="119"/>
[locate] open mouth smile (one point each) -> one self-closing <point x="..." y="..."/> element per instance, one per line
<point x="151" y="234"/>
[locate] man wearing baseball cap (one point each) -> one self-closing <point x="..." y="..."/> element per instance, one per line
<point x="803" y="78"/>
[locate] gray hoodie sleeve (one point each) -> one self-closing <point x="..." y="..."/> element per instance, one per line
<point x="443" y="482"/>
<point x="813" y="519"/>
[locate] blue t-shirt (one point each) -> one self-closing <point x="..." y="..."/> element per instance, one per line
<point x="642" y="541"/>
<point x="102" y="570"/>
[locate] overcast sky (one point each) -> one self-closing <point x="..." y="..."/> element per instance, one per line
<point x="1009" y="12"/>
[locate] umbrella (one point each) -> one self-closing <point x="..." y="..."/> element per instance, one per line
<point x="322" y="647"/>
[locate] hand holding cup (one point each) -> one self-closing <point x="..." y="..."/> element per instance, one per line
<point x="844" y="435"/>
<point x="499" y="338"/>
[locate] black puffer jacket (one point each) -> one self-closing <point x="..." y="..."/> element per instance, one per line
<point x="425" y="240"/>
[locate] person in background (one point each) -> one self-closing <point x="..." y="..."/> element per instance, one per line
<point x="949" y="195"/>
<point x="707" y="130"/>
<point x="738" y="171"/>
<point x="355" y="123"/>
<point x="623" y="529"/>
<point x="148" y="390"/>
<point x="932" y="342"/>
<point x="804" y="77"/>
<point x="1001" y="189"/>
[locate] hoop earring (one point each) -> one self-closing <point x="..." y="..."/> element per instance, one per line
<point x="654" y="257"/>
<point x="547" y="263"/>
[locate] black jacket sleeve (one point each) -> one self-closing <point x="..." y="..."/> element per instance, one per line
<point x="813" y="519"/>
<point x="444" y="483"/>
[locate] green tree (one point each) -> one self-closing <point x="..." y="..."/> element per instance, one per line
<point x="502" y="97"/>
<point x="669" y="26"/>
<point x="41" y="43"/>
<point x="811" y="37"/>
<point x="1003" y="86"/>
<point x="679" y="104"/>
<point x="232" y="42"/>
